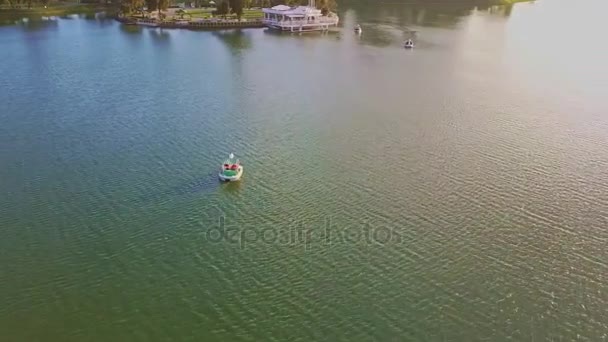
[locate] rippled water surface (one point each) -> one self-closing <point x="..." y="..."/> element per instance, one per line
<point x="455" y="192"/>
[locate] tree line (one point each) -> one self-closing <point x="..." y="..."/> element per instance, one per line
<point x="236" y="6"/>
<point x="22" y="3"/>
<point x="223" y="7"/>
<point x="324" y="5"/>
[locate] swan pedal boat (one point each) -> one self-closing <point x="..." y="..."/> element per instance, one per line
<point x="231" y="171"/>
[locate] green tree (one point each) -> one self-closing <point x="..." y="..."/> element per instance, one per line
<point x="236" y="6"/>
<point x="152" y="5"/>
<point x="130" y="6"/>
<point x="222" y="8"/>
<point x="162" y="6"/>
<point x="327" y="6"/>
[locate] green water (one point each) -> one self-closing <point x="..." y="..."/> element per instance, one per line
<point x="455" y="192"/>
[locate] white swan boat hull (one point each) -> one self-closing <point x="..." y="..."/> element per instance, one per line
<point x="231" y="178"/>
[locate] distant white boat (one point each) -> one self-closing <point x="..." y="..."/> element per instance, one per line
<point x="409" y="44"/>
<point x="358" y="29"/>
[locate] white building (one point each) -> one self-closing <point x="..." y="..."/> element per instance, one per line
<point x="298" y="19"/>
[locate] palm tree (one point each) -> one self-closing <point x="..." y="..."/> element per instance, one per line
<point x="162" y="5"/>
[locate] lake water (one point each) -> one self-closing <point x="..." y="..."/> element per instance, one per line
<point x="454" y="192"/>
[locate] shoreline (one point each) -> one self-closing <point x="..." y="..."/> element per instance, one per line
<point x="196" y="20"/>
<point x="193" y="24"/>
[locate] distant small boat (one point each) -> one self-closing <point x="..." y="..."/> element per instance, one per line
<point x="231" y="170"/>
<point x="358" y="29"/>
<point x="409" y="44"/>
